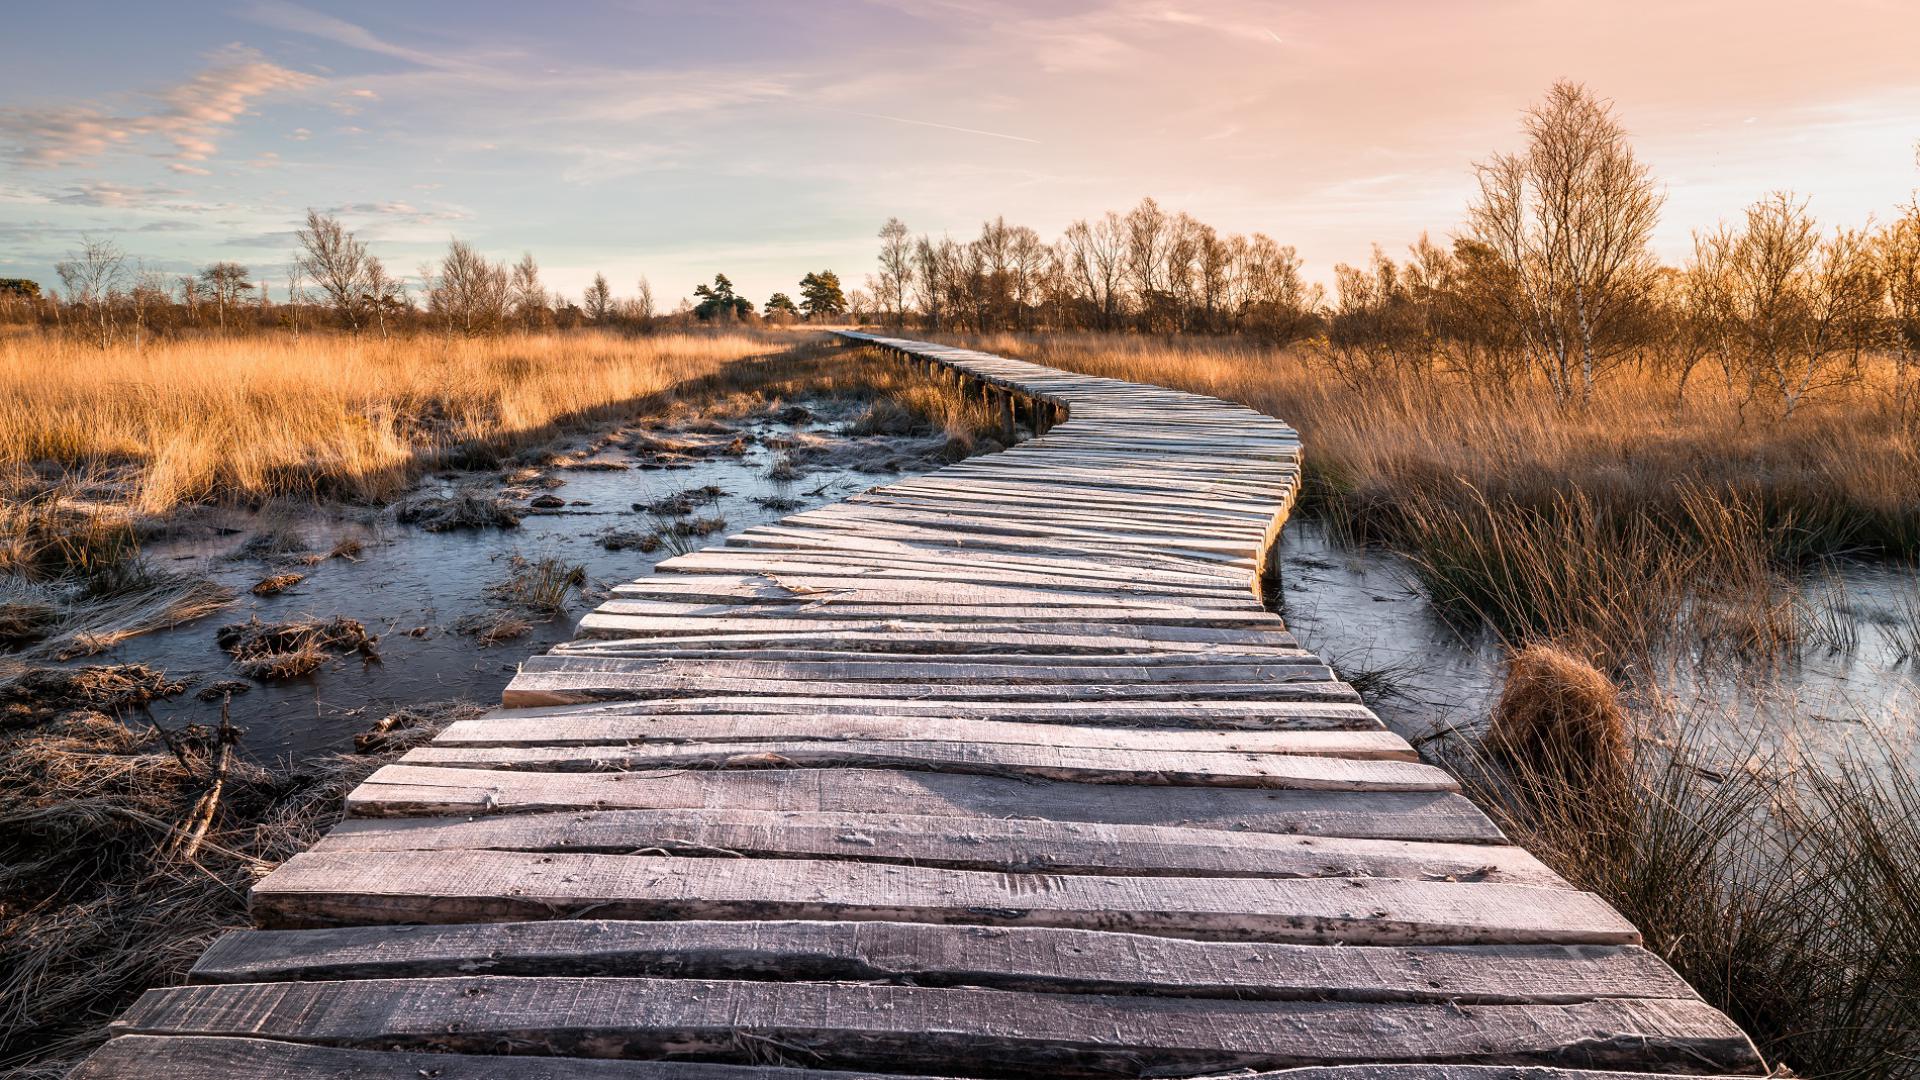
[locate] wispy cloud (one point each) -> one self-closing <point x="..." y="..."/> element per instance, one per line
<point x="109" y="194"/>
<point x="300" y="20"/>
<point x="933" y="124"/>
<point x="190" y="116"/>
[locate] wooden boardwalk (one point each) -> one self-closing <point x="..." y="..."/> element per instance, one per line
<point x="999" y="771"/>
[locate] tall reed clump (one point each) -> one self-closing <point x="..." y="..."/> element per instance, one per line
<point x="1786" y="891"/>
<point x="320" y="415"/>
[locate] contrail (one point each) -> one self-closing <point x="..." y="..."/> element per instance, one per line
<point x="1275" y="37"/>
<point x="931" y="124"/>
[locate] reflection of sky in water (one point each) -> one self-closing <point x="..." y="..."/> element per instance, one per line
<point x="408" y="578"/>
<point x="1360" y="610"/>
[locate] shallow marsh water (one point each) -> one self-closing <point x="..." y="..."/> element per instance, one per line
<point x="1360" y="609"/>
<point x="410" y="586"/>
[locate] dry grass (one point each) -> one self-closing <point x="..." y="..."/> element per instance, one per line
<point x="321" y="416"/>
<point x="100" y="899"/>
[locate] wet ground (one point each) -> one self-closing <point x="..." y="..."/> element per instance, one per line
<point x="414" y="588"/>
<point x="1360" y="610"/>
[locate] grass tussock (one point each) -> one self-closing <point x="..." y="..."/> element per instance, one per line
<point x="461" y="510"/>
<point x="276" y="584"/>
<point x="34" y="695"/>
<point x="288" y="650"/>
<point x="117" y="869"/>
<point x="1786" y="891"/>
<point x="322" y="416"/>
<point x="1558" y="714"/>
<point x="543" y="586"/>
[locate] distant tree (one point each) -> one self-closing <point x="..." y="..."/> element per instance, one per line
<point x="226" y="285"/>
<point x="525" y="293"/>
<point x="1795" y="309"/>
<point x="780" y="304"/>
<point x="1898" y="249"/>
<point x="820" y="295"/>
<point x="1568" y="220"/>
<point x="19" y="288"/>
<point x="1095" y="256"/>
<point x="598" y="300"/>
<point x="337" y="264"/>
<point x="896" y="269"/>
<point x="643" y="301"/>
<point x="92" y="280"/>
<point x="470" y="294"/>
<point x="719" y="301"/>
<point x="386" y="296"/>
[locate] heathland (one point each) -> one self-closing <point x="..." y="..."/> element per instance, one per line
<point x="1636" y="479"/>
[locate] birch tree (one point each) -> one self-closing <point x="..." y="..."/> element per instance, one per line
<point x="1569" y="219"/>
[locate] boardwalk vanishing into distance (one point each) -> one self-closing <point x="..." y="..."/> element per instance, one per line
<point x="999" y="771"/>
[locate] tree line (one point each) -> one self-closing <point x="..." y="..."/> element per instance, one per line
<point x="334" y="281"/>
<point x="1551" y="278"/>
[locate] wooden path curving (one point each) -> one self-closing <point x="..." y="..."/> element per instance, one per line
<point x="999" y="771"/>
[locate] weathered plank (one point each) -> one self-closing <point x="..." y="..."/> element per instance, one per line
<point x="1012" y="846"/>
<point x="1181" y="714"/>
<point x="590" y="729"/>
<point x="1299" y="772"/>
<point x="922" y="954"/>
<point x="917" y="1028"/>
<point x="404" y="790"/>
<point x="331" y="888"/>
<point x="200" y="1057"/>
<point x="557" y="684"/>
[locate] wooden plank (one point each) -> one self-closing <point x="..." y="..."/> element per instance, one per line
<point x="952" y="843"/>
<point x="591" y="729"/>
<point x="1040" y="960"/>
<point x="321" y="888"/>
<point x="1183" y="668"/>
<point x="1297" y="772"/>
<point x="408" y="790"/>
<point x="199" y="1057"/>
<point x="903" y="1028"/>
<point x="581" y="685"/>
<point x="1193" y="713"/>
<point x="906" y="635"/>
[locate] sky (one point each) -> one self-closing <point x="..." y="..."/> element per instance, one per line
<point x="764" y="140"/>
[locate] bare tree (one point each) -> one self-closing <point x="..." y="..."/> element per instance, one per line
<point x="1898" y="251"/>
<point x="92" y="280"/>
<point x="1794" y="310"/>
<point x="1096" y="258"/>
<point x="896" y="269"/>
<point x="598" y="299"/>
<point x="469" y="293"/>
<point x="226" y="285"/>
<point x="337" y="264"/>
<point x="527" y="295"/>
<point x="386" y="295"/>
<point x="643" y="302"/>
<point x="1569" y="220"/>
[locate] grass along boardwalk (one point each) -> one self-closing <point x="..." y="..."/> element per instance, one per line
<point x="1000" y="771"/>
